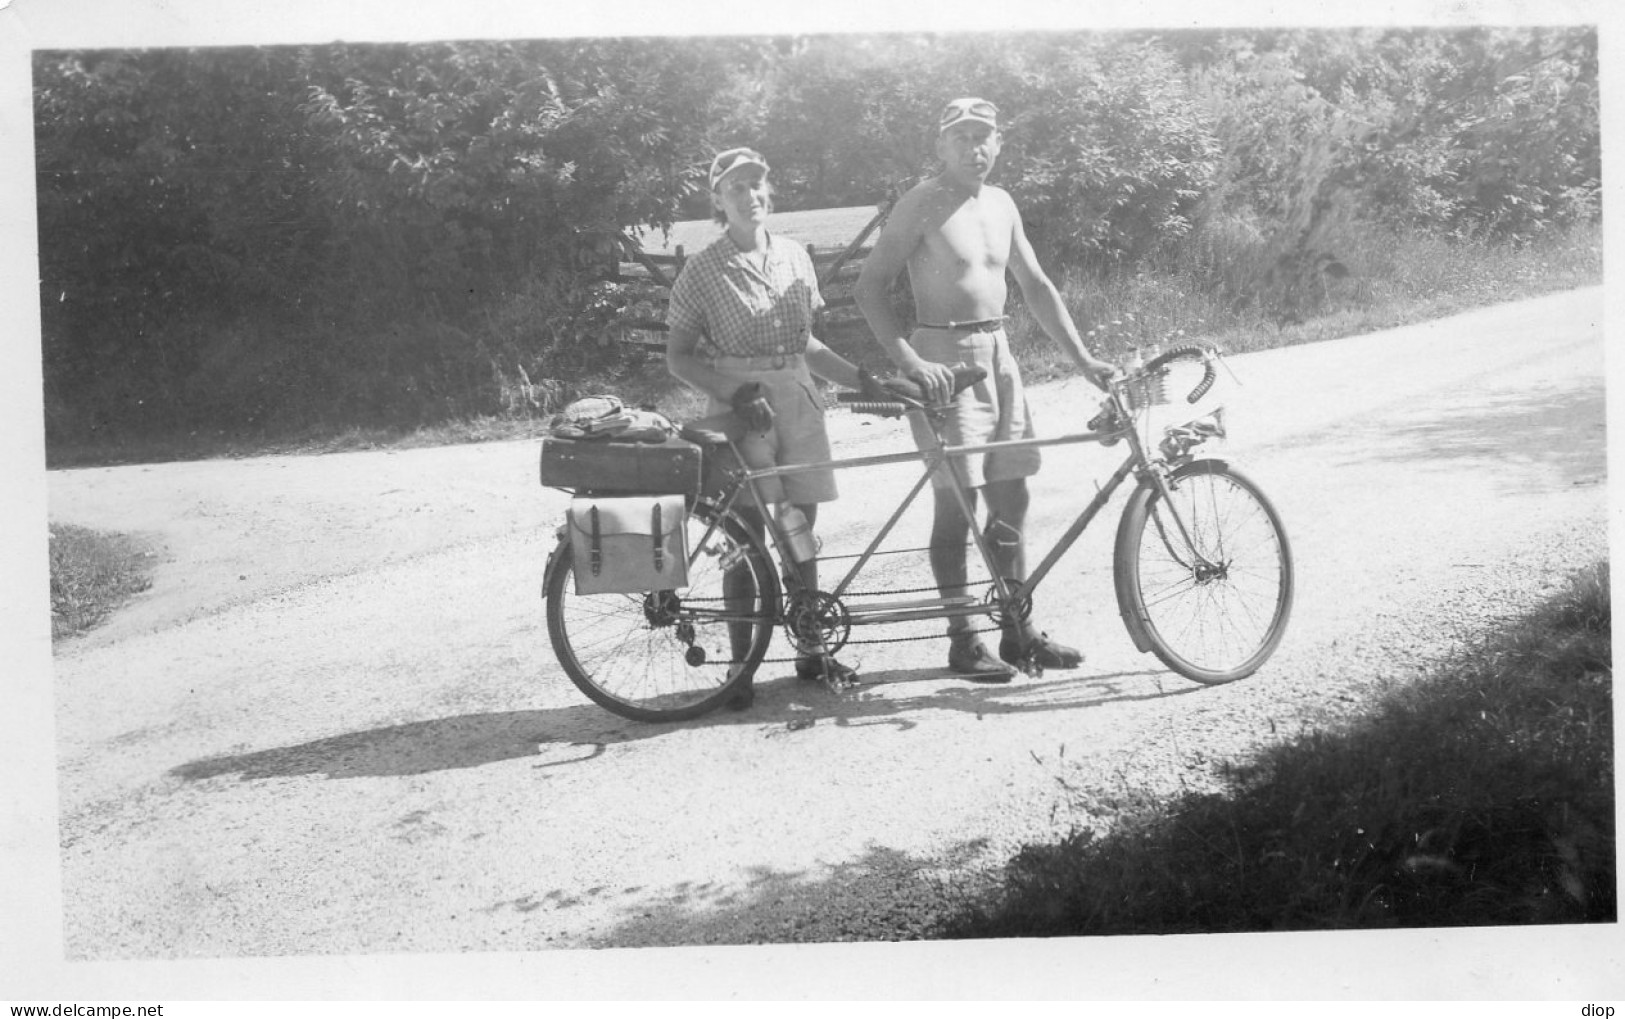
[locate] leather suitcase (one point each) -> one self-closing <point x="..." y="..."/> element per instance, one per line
<point x="600" y="466"/>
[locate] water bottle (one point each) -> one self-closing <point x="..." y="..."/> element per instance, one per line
<point x="797" y="533"/>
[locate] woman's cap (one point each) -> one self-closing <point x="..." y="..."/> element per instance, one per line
<point x="733" y="159"/>
<point x="970" y="108"/>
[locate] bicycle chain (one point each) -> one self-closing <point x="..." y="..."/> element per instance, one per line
<point x="870" y="594"/>
<point x="889" y="640"/>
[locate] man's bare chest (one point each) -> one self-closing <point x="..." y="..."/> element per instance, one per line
<point x="973" y="236"/>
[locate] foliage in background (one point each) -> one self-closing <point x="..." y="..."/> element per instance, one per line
<point x="263" y="236"/>
<point x="270" y="240"/>
<point x="1108" y="155"/>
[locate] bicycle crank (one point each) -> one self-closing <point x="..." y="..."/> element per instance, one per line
<point x="817" y="623"/>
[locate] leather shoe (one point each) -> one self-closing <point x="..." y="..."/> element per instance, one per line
<point x="970" y="659"/>
<point x="1040" y="650"/>
<point x="824" y="669"/>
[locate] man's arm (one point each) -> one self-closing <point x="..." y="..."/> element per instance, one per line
<point x="1044" y="300"/>
<point x="903" y="232"/>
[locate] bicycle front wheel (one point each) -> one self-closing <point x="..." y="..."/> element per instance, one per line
<point x="1204" y="576"/>
<point x="667" y="656"/>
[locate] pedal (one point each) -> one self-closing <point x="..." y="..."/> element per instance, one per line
<point x="1030" y="667"/>
<point x="838" y="685"/>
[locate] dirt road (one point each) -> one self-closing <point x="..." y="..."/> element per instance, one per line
<point x="335" y="725"/>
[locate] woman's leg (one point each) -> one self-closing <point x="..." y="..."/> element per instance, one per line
<point x="739" y="590"/>
<point x="814" y="666"/>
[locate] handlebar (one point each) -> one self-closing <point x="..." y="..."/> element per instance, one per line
<point x="1205" y="355"/>
<point x="901" y="394"/>
<point x="905" y="393"/>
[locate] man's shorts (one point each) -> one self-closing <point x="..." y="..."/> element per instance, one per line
<point x="797" y="436"/>
<point x="993" y="410"/>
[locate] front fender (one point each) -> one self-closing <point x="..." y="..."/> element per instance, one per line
<point x="1123" y="548"/>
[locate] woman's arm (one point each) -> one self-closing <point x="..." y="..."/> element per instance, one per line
<point x="685" y="364"/>
<point x="826" y="364"/>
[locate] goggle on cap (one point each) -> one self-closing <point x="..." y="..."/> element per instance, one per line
<point x="733" y="159"/>
<point x="970" y="108"/>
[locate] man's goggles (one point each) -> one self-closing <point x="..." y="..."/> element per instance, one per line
<point x="960" y="110"/>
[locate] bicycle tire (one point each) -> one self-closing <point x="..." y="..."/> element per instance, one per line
<point x="1218" y="617"/>
<point x="634" y="654"/>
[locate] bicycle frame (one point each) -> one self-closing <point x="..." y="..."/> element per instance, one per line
<point x="939" y="457"/>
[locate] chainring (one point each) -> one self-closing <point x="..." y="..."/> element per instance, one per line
<point x="817" y="623"/>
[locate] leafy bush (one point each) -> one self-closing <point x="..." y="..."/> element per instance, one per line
<point x="1107" y="155"/>
<point x="276" y="238"/>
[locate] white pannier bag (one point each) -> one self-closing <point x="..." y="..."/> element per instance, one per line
<point x="629" y="544"/>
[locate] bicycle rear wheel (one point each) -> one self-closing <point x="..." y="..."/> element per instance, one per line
<point x="1204" y="577"/>
<point x="666" y="656"/>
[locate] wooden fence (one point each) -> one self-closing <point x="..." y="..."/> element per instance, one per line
<point x="837" y="268"/>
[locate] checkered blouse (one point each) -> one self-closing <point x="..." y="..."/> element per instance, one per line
<point x="741" y="310"/>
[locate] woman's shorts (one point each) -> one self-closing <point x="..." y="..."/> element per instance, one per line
<point x="993" y="410"/>
<point x="798" y="435"/>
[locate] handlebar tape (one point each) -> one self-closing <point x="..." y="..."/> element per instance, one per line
<point x="885" y="410"/>
<point x="1209" y="375"/>
<point x="908" y="392"/>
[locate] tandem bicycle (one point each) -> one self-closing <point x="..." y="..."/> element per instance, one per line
<point x="1202" y="568"/>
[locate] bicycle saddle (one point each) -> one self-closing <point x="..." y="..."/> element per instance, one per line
<point x="965" y="376"/>
<point x="715" y="430"/>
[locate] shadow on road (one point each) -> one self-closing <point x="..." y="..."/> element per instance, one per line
<point x="1556" y="435"/>
<point x="580" y="733"/>
<point x="884" y="895"/>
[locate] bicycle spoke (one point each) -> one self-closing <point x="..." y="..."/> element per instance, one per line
<point x="1211" y="573"/>
<point x="668" y="655"/>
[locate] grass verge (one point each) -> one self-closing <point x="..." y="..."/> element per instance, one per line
<point x="1481" y="795"/>
<point x="93" y="573"/>
<point x="1392" y="281"/>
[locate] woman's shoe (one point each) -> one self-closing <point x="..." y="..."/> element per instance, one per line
<point x="825" y="669"/>
<point x="744" y="694"/>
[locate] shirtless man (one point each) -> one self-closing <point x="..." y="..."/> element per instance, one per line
<point x="957" y="236"/>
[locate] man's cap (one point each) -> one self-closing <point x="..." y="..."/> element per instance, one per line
<point x="733" y="159"/>
<point x="970" y="108"/>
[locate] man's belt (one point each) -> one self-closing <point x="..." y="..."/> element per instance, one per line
<point x="981" y="325"/>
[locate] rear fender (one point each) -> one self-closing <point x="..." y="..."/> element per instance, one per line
<point x="555" y="557"/>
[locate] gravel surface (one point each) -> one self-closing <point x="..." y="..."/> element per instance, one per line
<point x="334" y="724"/>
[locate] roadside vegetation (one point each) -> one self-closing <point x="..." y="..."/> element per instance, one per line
<point x="92" y="574"/>
<point x="246" y="249"/>
<point x="1398" y="279"/>
<point x="1482" y="794"/>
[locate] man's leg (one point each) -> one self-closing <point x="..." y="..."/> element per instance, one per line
<point x="950" y="533"/>
<point x="1007" y="503"/>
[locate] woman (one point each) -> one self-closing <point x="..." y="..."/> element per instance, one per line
<point x="739" y="329"/>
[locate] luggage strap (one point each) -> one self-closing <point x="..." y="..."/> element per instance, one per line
<point x="655" y="533"/>
<point x="597" y="553"/>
